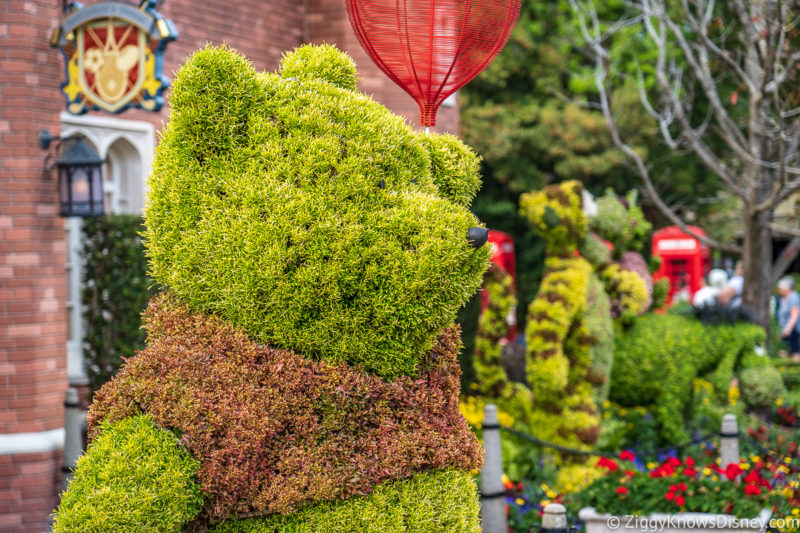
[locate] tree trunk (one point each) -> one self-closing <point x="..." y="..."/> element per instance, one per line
<point x="757" y="263"/>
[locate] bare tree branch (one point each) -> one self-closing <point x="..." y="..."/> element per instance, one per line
<point x="594" y="39"/>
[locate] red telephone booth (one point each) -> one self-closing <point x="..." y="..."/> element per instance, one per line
<point x="503" y="256"/>
<point x="503" y="251"/>
<point x="684" y="260"/>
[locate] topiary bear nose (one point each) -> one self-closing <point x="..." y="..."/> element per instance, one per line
<point x="477" y="237"/>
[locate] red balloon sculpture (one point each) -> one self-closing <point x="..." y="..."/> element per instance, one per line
<point x="432" y="48"/>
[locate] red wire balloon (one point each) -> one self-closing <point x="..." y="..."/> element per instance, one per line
<point x="432" y="48"/>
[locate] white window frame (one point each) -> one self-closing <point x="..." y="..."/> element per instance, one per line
<point x="102" y="133"/>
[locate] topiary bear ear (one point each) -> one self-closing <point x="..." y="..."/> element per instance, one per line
<point x="212" y="95"/>
<point x="454" y="167"/>
<point x="320" y="62"/>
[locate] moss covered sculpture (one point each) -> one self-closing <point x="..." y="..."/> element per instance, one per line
<point x="300" y="373"/>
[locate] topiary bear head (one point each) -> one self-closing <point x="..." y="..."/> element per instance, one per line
<point x="308" y="215"/>
<point x="557" y="216"/>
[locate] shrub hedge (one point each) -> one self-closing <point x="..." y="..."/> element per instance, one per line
<point x="277" y="431"/>
<point x="308" y="214"/>
<point x="761" y="387"/>
<point x="425" y="503"/>
<point x="115" y="291"/>
<point x="134" y="478"/>
<point x="491" y="376"/>
<point x="658" y="358"/>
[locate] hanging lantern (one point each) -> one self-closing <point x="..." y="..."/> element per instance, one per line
<point x="80" y="176"/>
<point x="432" y="48"/>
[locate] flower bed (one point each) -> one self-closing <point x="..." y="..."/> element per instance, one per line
<point x="672" y="523"/>
<point x="690" y="493"/>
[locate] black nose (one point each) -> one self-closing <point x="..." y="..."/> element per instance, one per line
<point x="477" y="237"/>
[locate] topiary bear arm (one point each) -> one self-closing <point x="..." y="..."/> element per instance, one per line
<point x="135" y="478"/>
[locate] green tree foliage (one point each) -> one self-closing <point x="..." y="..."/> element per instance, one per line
<point x="532" y="116"/>
<point x="115" y="292"/>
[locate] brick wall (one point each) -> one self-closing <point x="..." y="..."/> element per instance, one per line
<point x="33" y="326"/>
<point x="27" y="483"/>
<point x="33" y="277"/>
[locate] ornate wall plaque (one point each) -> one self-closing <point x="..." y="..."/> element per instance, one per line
<point x="113" y="56"/>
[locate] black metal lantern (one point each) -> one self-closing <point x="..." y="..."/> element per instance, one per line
<point x="80" y="177"/>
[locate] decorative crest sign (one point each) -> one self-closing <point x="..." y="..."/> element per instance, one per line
<point x="113" y="55"/>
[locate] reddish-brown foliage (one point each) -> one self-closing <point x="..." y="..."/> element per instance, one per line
<point x="276" y="431"/>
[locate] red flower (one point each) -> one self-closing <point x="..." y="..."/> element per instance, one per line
<point x="689" y="461"/>
<point x="669" y="496"/>
<point x="626" y="455"/>
<point x="680" y="501"/>
<point x="689" y="471"/>
<point x="673" y="462"/>
<point x="607" y="463"/>
<point x="630" y="473"/>
<point x="732" y="471"/>
<point x="682" y="486"/>
<point x="624" y="490"/>
<point x="752" y="490"/>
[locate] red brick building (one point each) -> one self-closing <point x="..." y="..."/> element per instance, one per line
<point x="40" y="319"/>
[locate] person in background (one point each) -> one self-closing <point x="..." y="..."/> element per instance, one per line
<point x="707" y="295"/>
<point x="788" y="313"/>
<point x="731" y="293"/>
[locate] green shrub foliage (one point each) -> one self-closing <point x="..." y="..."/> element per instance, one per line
<point x="454" y="167"/>
<point x="115" y="292"/>
<point x="761" y="387"/>
<point x="147" y="482"/>
<point x="559" y="343"/>
<point x="625" y="227"/>
<point x="320" y="63"/>
<point x="277" y="431"/>
<point x="601" y="327"/>
<point x="490" y="373"/>
<point x="426" y="503"/>
<point x="658" y="358"/>
<point x="308" y="214"/>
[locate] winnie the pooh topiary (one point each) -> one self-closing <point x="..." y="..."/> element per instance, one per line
<point x="300" y="373"/>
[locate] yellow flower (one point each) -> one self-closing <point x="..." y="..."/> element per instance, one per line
<point x="606" y="404"/>
<point x="550" y="494"/>
<point x="651" y="466"/>
<point x="545" y="503"/>
<point x="795" y="511"/>
<point x="744" y="466"/>
<point x="733" y="395"/>
<point x="779" y="401"/>
<point x="787" y="460"/>
<point x="714" y="478"/>
<point x="505" y="419"/>
<point x="755" y="459"/>
<point x="706" y="472"/>
<point x="520" y="501"/>
<point x="544" y="487"/>
<point x="505" y="478"/>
